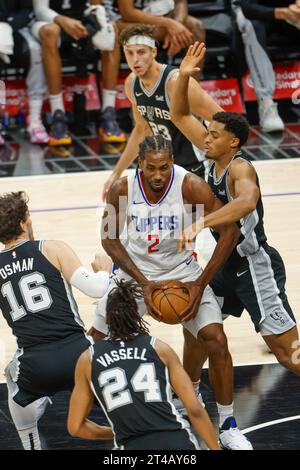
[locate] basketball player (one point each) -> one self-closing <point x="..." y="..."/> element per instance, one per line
<point x="253" y="278"/>
<point x="157" y="197"/>
<point x="62" y="21"/>
<point x="36" y="301"/>
<point x="142" y="369"/>
<point x="149" y="88"/>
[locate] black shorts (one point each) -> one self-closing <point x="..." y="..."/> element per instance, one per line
<point x="162" y="440"/>
<point x="45" y="369"/>
<point x="256" y="283"/>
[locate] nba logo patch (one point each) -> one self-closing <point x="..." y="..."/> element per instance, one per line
<point x="14" y="254"/>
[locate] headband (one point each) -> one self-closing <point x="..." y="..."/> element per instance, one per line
<point x="139" y="40"/>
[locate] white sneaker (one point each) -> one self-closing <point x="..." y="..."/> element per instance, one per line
<point x="231" y="438"/>
<point x="180" y="406"/>
<point x="269" y="119"/>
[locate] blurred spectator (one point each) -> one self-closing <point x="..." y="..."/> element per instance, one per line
<point x="176" y="29"/>
<point x="281" y="17"/>
<point x="71" y="21"/>
<point x="17" y="45"/>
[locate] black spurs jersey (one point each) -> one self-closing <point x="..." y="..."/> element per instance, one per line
<point x="154" y="106"/>
<point x="252" y="226"/>
<point x="131" y="383"/>
<point x="35" y="299"/>
<point x="70" y="8"/>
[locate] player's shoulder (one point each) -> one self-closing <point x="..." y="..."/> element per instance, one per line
<point x="118" y="188"/>
<point x="128" y="83"/>
<point x="241" y="166"/>
<point x="163" y="350"/>
<point x="191" y="181"/>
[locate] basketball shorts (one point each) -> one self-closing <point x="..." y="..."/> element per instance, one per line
<point x="163" y="440"/>
<point x="209" y="311"/>
<point x="45" y="369"/>
<point x="257" y="284"/>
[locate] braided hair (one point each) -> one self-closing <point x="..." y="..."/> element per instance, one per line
<point x="122" y="317"/>
<point x="155" y="143"/>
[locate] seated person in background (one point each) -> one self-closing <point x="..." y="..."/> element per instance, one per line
<point x="62" y="21"/>
<point x="268" y="17"/>
<point x="18" y="45"/>
<point x="176" y="29"/>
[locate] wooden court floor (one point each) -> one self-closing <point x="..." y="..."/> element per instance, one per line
<point x="68" y="207"/>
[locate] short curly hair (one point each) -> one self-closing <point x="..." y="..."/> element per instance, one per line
<point x="13" y="210"/>
<point x="137" y="30"/>
<point x="235" y="123"/>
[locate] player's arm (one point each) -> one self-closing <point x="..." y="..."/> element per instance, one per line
<point x="112" y="225"/>
<point x="140" y="131"/>
<point x="184" y="91"/>
<point x="197" y="191"/>
<point x="200" y="102"/>
<point x="183" y="387"/>
<point x="81" y="403"/>
<point x="63" y="257"/>
<point x="246" y="195"/>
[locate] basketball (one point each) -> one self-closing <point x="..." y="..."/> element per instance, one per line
<point x="171" y="302"/>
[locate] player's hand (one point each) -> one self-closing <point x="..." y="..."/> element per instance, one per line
<point x="102" y="262"/>
<point x="181" y="36"/>
<point x="108" y="183"/>
<point x="187" y="238"/>
<point x="148" y="290"/>
<point x="72" y="27"/>
<point x="196" y="291"/>
<point x="193" y="57"/>
<point x="171" y="46"/>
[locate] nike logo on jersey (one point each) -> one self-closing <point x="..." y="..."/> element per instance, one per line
<point x="159" y="97"/>
<point x="211" y="175"/>
<point x="139" y="94"/>
<point x="136" y="202"/>
<point x="197" y="168"/>
<point x="240" y="274"/>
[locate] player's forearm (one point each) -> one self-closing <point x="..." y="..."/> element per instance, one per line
<point x="180" y="106"/>
<point x="231" y="212"/>
<point x="90" y="430"/>
<point x="228" y="239"/>
<point x="119" y="255"/>
<point x="202" y="424"/>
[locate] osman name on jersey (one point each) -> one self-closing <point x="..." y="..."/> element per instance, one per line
<point x="16" y="267"/>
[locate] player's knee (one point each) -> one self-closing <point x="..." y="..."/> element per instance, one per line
<point x="286" y="360"/>
<point x="216" y="343"/>
<point x="50" y="34"/>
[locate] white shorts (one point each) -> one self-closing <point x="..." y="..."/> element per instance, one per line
<point x="209" y="311"/>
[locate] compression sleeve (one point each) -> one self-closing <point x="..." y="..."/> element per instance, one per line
<point x="90" y="283"/>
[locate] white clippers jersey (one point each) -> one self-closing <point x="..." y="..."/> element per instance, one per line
<point x="153" y="229"/>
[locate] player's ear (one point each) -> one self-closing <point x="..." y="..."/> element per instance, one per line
<point x="235" y="142"/>
<point x="154" y="52"/>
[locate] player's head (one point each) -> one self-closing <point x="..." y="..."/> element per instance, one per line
<point x="122" y="316"/>
<point x="156" y="161"/>
<point x="139" y="48"/>
<point x="15" y="221"/>
<point x="227" y="132"/>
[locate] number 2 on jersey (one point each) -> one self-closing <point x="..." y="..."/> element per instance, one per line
<point x="151" y="248"/>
